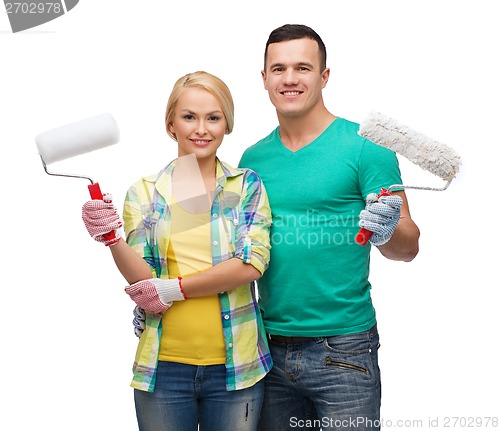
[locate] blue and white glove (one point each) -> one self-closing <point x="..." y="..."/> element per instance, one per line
<point x="139" y="321"/>
<point x="380" y="216"/>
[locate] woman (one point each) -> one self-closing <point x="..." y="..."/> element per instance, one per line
<point x="197" y="238"/>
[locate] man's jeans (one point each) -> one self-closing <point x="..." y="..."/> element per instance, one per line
<point x="327" y="383"/>
<point x="186" y="395"/>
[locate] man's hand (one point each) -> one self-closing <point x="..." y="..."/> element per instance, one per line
<point x="139" y="321"/>
<point x="381" y="217"/>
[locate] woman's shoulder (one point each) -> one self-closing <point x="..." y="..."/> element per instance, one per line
<point x="247" y="174"/>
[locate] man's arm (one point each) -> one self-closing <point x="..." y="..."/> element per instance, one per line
<point x="403" y="244"/>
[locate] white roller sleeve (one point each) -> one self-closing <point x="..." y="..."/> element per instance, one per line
<point x="77" y="138"/>
<point x="429" y="154"/>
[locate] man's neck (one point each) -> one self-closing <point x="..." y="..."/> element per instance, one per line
<point x="298" y="132"/>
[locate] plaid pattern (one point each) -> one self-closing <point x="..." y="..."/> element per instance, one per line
<point x="240" y="226"/>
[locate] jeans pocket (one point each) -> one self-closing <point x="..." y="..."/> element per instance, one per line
<point x="345" y="365"/>
<point x="353" y="344"/>
<point x="354" y="352"/>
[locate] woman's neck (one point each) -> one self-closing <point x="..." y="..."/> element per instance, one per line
<point x="194" y="182"/>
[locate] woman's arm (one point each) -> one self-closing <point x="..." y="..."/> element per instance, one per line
<point x="227" y="275"/>
<point x="101" y="217"/>
<point x="156" y="295"/>
<point x="132" y="266"/>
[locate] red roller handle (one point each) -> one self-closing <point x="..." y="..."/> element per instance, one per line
<point x="95" y="193"/>
<point x="364" y="235"/>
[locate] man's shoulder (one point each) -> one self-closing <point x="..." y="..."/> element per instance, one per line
<point x="345" y="134"/>
<point x="346" y="126"/>
<point x="262" y="144"/>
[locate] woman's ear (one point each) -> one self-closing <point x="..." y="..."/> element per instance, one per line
<point x="170" y="129"/>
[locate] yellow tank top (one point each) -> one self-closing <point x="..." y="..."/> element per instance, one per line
<point x="192" y="329"/>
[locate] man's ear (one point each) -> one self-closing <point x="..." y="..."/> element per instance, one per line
<point x="325" y="76"/>
<point x="263" y="75"/>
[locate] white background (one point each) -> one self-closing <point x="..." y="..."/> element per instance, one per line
<point x="68" y="346"/>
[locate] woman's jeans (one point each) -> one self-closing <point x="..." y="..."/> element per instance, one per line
<point x="327" y="383"/>
<point x="188" y="395"/>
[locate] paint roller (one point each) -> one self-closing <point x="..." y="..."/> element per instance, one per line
<point x="78" y="138"/>
<point x="425" y="152"/>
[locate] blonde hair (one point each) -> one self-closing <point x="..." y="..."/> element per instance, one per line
<point x="207" y="82"/>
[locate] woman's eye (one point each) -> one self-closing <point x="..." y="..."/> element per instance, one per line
<point x="214" y="118"/>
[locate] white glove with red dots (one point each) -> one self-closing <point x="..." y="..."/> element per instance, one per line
<point x="156" y="295"/>
<point x="101" y="218"/>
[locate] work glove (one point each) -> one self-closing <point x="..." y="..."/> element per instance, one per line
<point x="380" y="216"/>
<point x="101" y="218"/>
<point x="156" y="295"/>
<point x="139" y="321"/>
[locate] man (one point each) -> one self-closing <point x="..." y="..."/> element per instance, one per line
<point x="321" y="177"/>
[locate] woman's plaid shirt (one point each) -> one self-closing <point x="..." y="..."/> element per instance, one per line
<point x="240" y="228"/>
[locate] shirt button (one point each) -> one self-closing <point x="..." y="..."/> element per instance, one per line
<point x="216" y="242"/>
<point x="235" y="222"/>
<point x="215" y="215"/>
<point x="226" y="317"/>
<point x="230" y="345"/>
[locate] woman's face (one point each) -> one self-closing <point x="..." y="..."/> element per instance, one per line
<point x="198" y="124"/>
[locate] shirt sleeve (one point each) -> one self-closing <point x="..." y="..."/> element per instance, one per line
<point x="253" y="234"/>
<point x="135" y="227"/>
<point x="378" y="168"/>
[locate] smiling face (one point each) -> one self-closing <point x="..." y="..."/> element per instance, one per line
<point x="293" y="77"/>
<point x="198" y="124"/>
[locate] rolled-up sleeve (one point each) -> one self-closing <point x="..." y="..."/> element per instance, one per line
<point x="253" y="233"/>
<point x="135" y="228"/>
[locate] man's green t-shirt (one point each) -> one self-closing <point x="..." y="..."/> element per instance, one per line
<point x="317" y="282"/>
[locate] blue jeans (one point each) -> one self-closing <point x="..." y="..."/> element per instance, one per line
<point x="188" y="395"/>
<point x="327" y="383"/>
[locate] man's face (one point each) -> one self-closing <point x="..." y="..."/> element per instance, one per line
<point x="293" y="76"/>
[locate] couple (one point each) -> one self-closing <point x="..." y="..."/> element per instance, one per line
<point x="200" y="233"/>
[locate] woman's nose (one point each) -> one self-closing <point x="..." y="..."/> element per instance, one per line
<point x="201" y="128"/>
